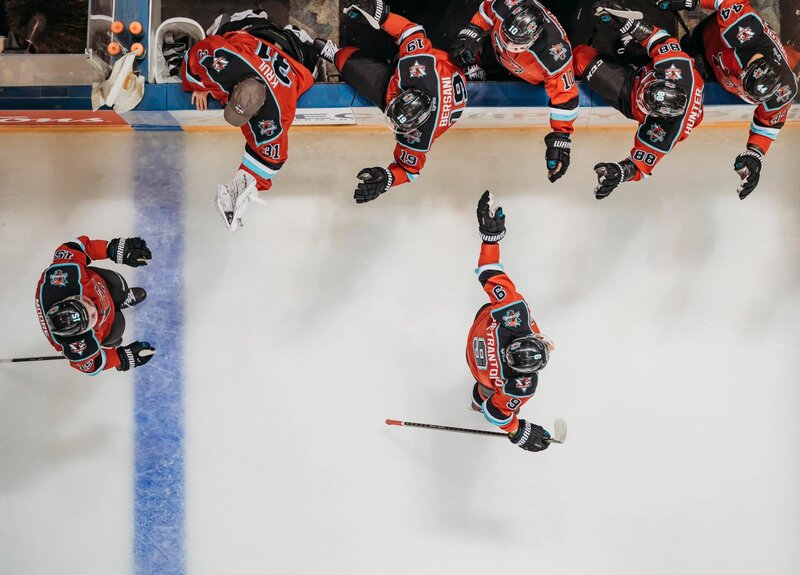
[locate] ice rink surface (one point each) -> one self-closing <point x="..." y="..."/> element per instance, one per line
<point x="674" y="307"/>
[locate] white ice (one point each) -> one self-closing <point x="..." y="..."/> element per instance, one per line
<point x="674" y="307"/>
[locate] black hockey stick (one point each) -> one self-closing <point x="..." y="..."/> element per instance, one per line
<point x="559" y="436"/>
<point x="682" y="22"/>
<point x="43" y="358"/>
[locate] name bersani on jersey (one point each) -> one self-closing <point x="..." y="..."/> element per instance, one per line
<point x="530" y="43"/>
<point x="422" y="95"/>
<point x="505" y="350"/>
<point x="80" y="306"/>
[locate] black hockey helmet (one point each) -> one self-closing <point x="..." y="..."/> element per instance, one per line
<point x="661" y="98"/>
<point x="409" y="110"/>
<point x="71" y="316"/>
<point x="761" y="78"/>
<point x="528" y="354"/>
<point x="522" y="27"/>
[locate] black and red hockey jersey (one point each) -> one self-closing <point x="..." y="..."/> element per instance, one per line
<point x="730" y="43"/>
<point x="218" y="63"/>
<point x="68" y="275"/>
<point x="656" y="137"/>
<point x="506" y="318"/>
<point x="548" y="61"/>
<point x="429" y="69"/>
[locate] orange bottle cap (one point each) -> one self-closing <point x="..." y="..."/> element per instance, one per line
<point x="114" y="48"/>
<point x="137" y="49"/>
<point x="117" y="27"/>
<point x="136" y="28"/>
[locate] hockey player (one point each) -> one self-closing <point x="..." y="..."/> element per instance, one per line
<point x="505" y="350"/>
<point x="665" y="96"/>
<point x="258" y="71"/>
<point x="422" y="95"/>
<point x="748" y="60"/>
<point x="80" y="306"/>
<point x="530" y="43"/>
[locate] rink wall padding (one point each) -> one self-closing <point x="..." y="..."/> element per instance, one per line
<point x="168" y="107"/>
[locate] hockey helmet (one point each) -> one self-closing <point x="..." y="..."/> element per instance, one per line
<point x="521" y="27"/>
<point x="661" y="98"/>
<point x="74" y="315"/>
<point x="409" y="110"/>
<point x="760" y="79"/>
<point x="528" y="354"/>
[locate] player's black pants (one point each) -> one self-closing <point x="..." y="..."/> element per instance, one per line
<point x="692" y="44"/>
<point x="611" y="81"/>
<point x="118" y="290"/>
<point x="370" y="76"/>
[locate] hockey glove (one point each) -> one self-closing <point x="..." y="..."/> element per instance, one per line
<point x="491" y="223"/>
<point x="233" y="199"/>
<point x="530" y="437"/>
<point x="627" y="22"/>
<point x="609" y="176"/>
<point x="748" y="166"/>
<point x="676" y="5"/>
<point x="129" y="251"/>
<point x="467" y="45"/>
<point x="134" y="355"/>
<point x="372" y="12"/>
<point x="557" y="154"/>
<point x="374" y="182"/>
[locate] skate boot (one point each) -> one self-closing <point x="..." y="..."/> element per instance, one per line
<point x="135" y="296"/>
<point x="326" y="49"/>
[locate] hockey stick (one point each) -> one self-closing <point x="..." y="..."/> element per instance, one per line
<point x="559" y="427"/>
<point x="682" y="22"/>
<point x="43" y="358"/>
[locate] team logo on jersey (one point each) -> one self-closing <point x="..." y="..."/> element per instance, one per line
<point x="783" y="93"/>
<point x="512" y="319"/>
<point x="523" y="383"/>
<point x="417" y="70"/>
<point x="673" y="73"/>
<point x="414" y="137"/>
<point x="58" y="278"/>
<point x="86" y="366"/>
<point x="219" y="63"/>
<point x="744" y="34"/>
<point x="657" y="133"/>
<point x="78" y="347"/>
<point x="512" y="3"/>
<point x="202" y="54"/>
<point x="267" y="127"/>
<point x="558" y="51"/>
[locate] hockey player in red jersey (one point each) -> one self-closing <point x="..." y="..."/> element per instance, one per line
<point x="531" y="44"/>
<point x="258" y="71"/>
<point x="748" y="60"/>
<point x="80" y="306"/>
<point x="665" y="96"/>
<point x="505" y="350"/>
<point x="422" y="95"/>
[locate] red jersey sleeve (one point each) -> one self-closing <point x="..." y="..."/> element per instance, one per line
<point x="496" y="283"/>
<point x="484" y="17"/>
<point x="195" y="76"/>
<point x="409" y="36"/>
<point x="81" y="251"/>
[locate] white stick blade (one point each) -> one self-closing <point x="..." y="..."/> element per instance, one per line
<point x="560" y="431"/>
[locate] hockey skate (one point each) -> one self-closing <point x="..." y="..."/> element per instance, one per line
<point x="233" y="199"/>
<point x="135" y="296"/>
<point x="326" y="49"/>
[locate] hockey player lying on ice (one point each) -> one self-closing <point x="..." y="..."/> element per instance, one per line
<point x="505" y="350"/>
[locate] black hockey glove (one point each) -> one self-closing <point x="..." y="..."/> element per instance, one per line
<point x="557" y="154"/>
<point x="530" y="437"/>
<point x="627" y="22"/>
<point x="133" y="355"/>
<point x="609" y="176"/>
<point x="129" y="251"/>
<point x="491" y="223"/>
<point x="676" y="5"/>
<point x="374" y="182"/>
<point x="372" y="12"/>
<point x="748" y="166"/>
<point x="467" y="45"/>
